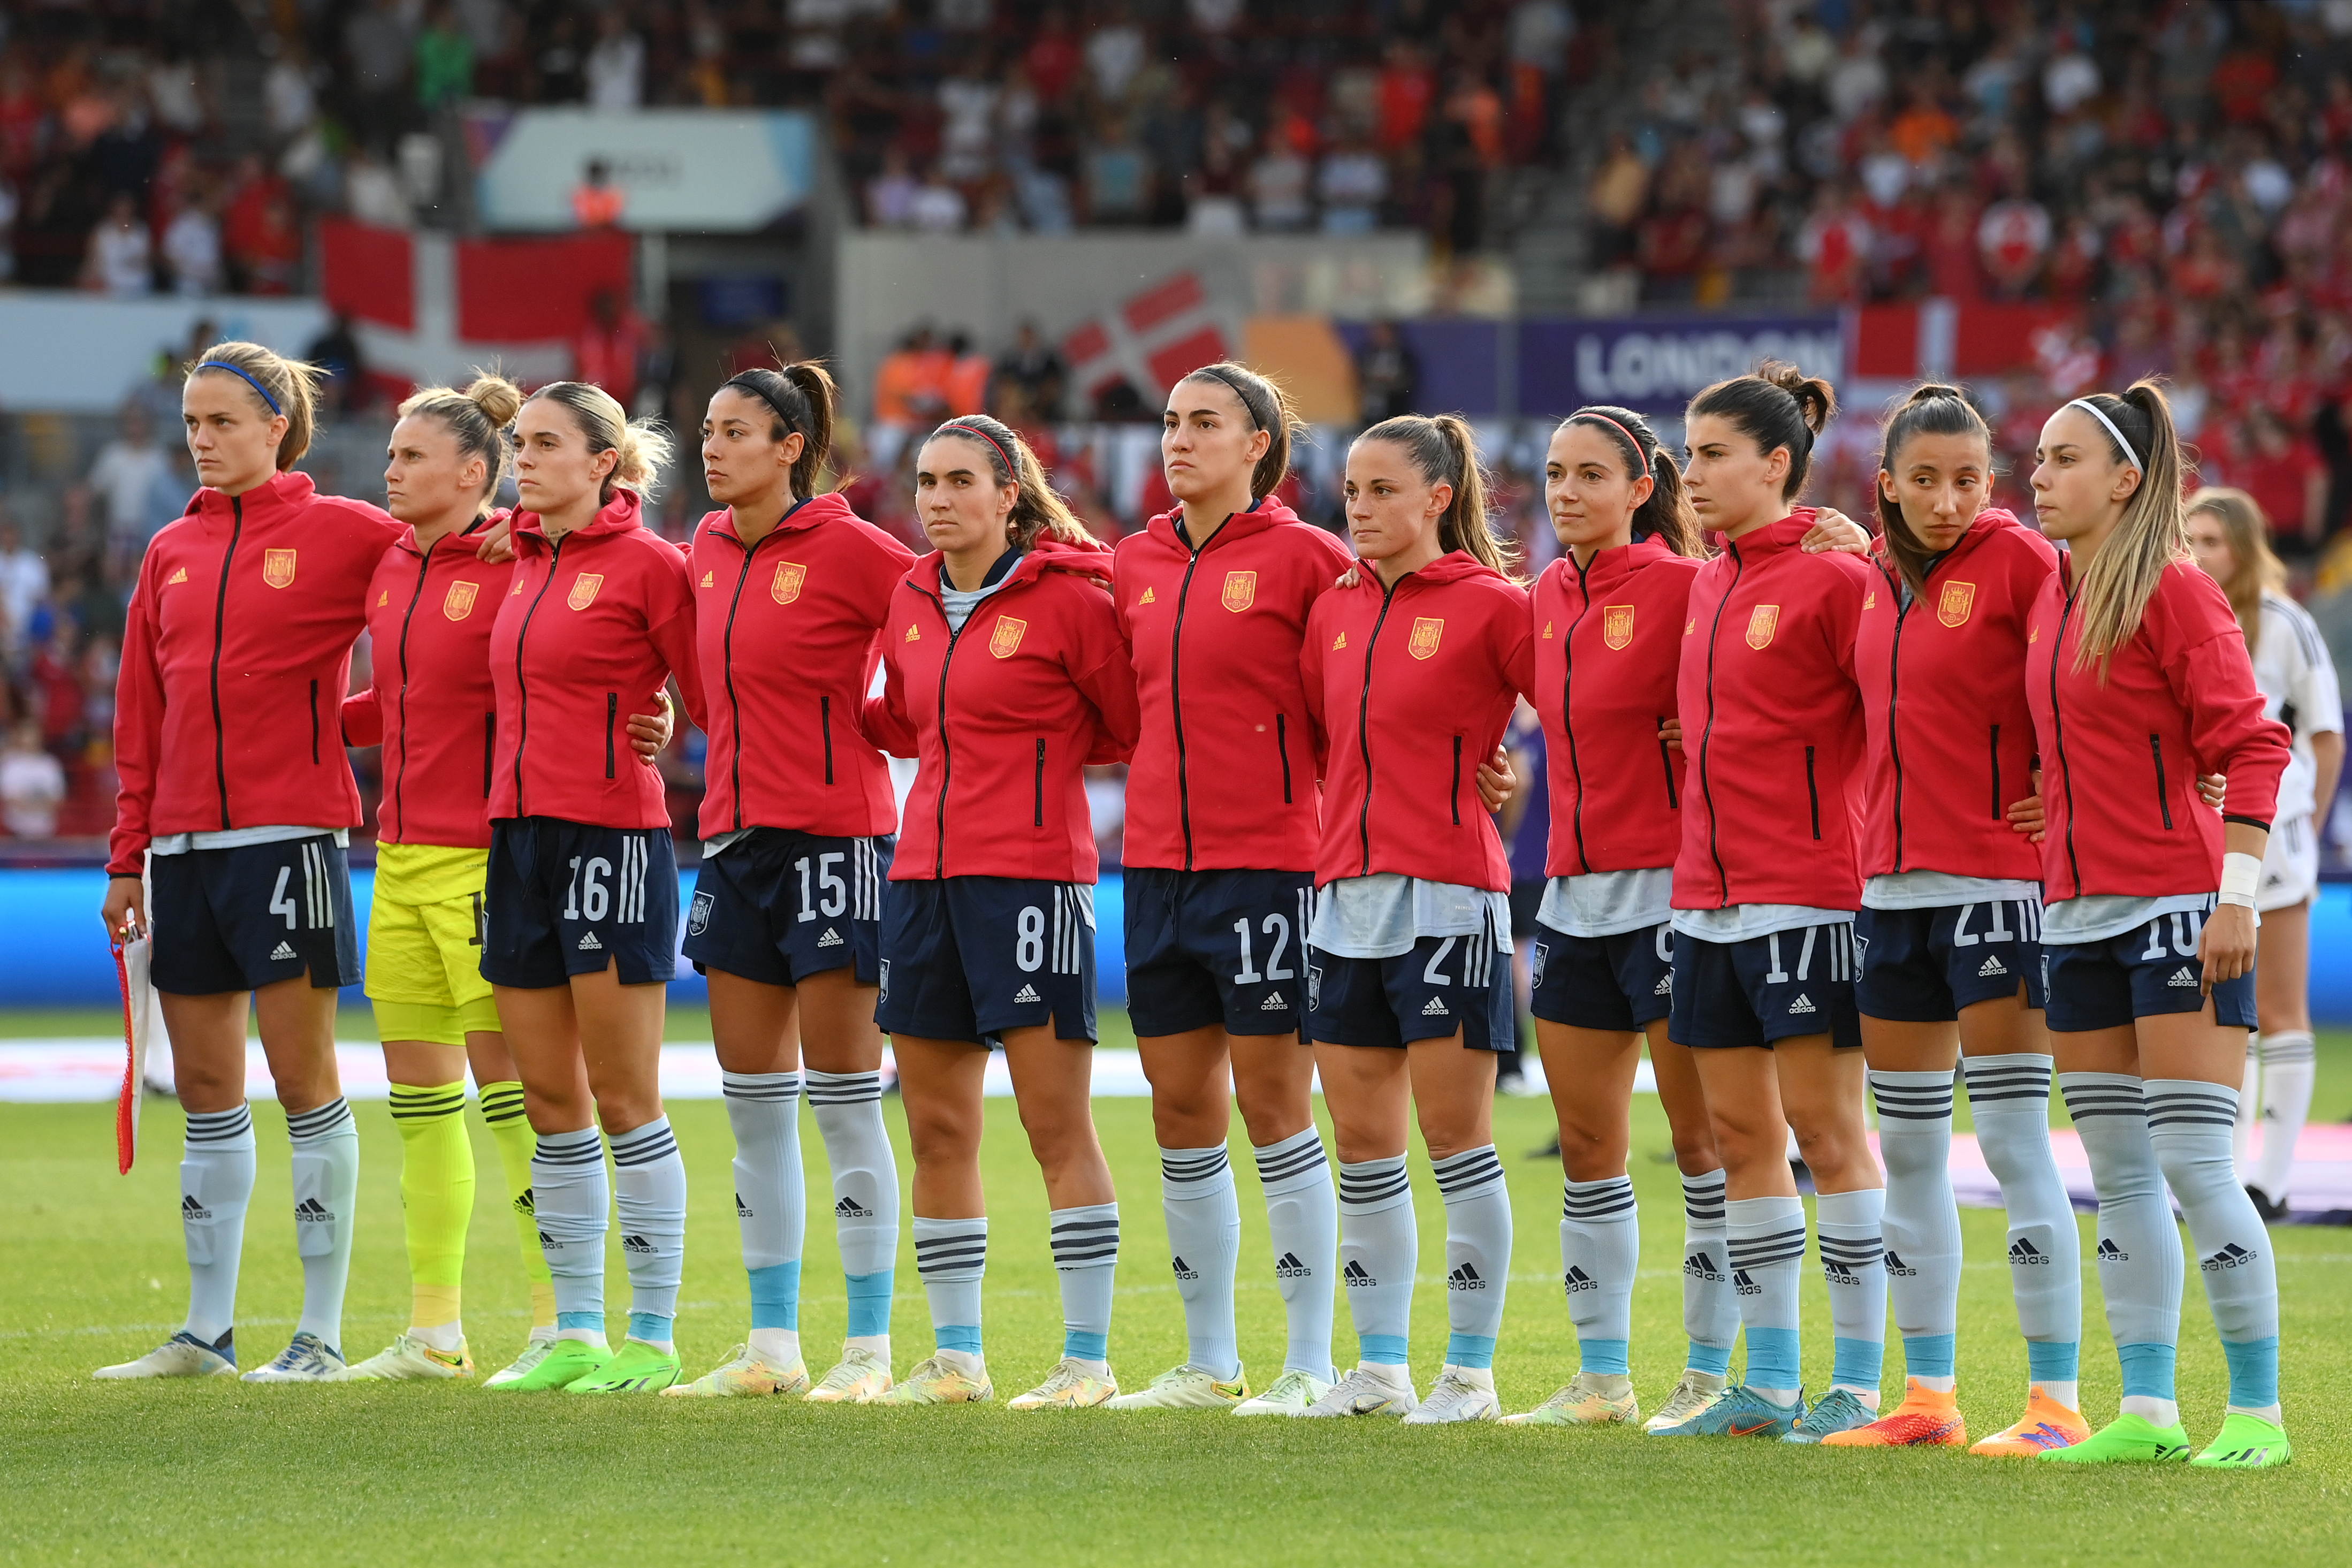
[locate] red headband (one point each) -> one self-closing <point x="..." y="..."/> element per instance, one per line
<point x="1011" y="467"/>
<point x="1590" y="414"/>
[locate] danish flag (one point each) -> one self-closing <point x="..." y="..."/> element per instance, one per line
<point x="1154" y="338"/>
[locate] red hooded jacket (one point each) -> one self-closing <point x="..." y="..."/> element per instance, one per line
<point x="1943" y="703"/>
<point x="1410" y="688"/>
<point x="235" y="655"/>
<point x="1004" y="715"/>
<point x="1772" y="722"/>
<point x="786" y="633"/>
<point x="431" y="703"/>
<point x="591" y="625"/>
<point x="1609" y="643"/>
<point x="1215" y="634"/>
<point x="2120" y="761"/>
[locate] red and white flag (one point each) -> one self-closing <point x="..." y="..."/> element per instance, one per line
<point x="1153" y="339"/>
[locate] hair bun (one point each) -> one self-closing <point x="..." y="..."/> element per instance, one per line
<point x="498" y="399"/>
<point x="1816" y="399"/>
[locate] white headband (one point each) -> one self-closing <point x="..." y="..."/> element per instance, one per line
<point x="2092" y="408"/>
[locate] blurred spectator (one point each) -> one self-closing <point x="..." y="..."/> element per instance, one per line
<point x="2284" y="473"/>
<point x="31" y="783"/>
<point x="373" y="191"/>
<point x="937" y="206"/>
<point x="56" y="681"/>
<point x="120" y="259"/>
<point x="890" y="195"/>
<point x="445" y="61"/>
<point x="615" y="70"/>
<point x="376" y="49"/>
<point x="1033" y="367"/>
<point x="24" y="583"/>
<point x="1387" y="373"/>
<point x="1277" y="187"/>
<point x="596" y="202"/>
<point x="608" y="346"/>
<point x="1352" y="185"/>
<point x="337" y="352"/>
<point x="967" y="378"/>
<point x="192" y="248"/>
<point x="129" y="475"/>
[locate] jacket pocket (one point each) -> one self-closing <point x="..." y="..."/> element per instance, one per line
<point x="612" y="722"/>
<point x="1666" y="764"/>
<point x="489" y="749"/>
<point x="314" y="723"/>
<point x="1995" y="774"/>
<point x="1456" y="794"/>
<point x="1282" y="749"/>
<point x="2163" y="796"/>
<point x="825" y="722"/>
<point x="1037" y="814"/>
<point x="1813" y="794"/>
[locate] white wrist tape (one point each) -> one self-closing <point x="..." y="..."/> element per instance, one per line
<point x="2241" y="875"/>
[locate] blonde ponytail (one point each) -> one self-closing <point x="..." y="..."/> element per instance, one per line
<point x="1444" y="449"/>
<point x="2151" y="535"/>
<point x="643" y="445"/>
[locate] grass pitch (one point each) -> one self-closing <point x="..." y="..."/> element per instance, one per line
<point x="222" y="1472"/>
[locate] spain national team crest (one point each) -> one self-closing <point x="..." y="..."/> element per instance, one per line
<point x="1761" y="623"/>
<point x="278" y="568"/>
<point x="1241" y="591"/>
<point x="460" y="602"/>
<point x="583" y="589"/>
<point x="1958" y="599"/>
<point x="790" y="575"/>
<point x="1006" y="636"/>
<point x="1427" y="630"/>
<point x="1616" y="625"/>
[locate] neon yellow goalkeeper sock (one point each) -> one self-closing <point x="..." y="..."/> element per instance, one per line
<point x="502" y="1109"/>
<point x="436" y="1193"/>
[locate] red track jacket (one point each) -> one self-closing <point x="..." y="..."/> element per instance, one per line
<point x="236" y="655"/>
<point x="1410" y="688"/>
<point x="787" y="635"/>
<point x="1943" y="700"/>
<point x="591" y="627"/>
<point x="1214" y="636"/>
<point x="1004" y="716"/>
<point x="1772" y="722"/>
<point x="2120" y="761"/>
<point x="431" y="704"/>
<point x="1609" y="642"/>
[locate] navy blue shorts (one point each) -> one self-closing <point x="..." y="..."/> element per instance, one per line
<point x="1922" y="966"/>
<point x="1765" y="988"/>
<point x="1216" y="947"/>
<point x="235" y="919"/>
<point x="2148" y="970"/>
<point x="967" y="958"/>
<point x="1616" y="983"/>
<point x="565" y="899"/>
<point x="1444" y="983"/>
<point x="777" y="906"/>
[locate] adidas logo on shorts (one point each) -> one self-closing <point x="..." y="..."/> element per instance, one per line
<point x="1665" y="986"/>
<point x="1991" y="967"/>
<point x="1576" y="1279"/>
<point x="2183" y="976"/>
<point x="1803" y="1003"/>
<point x="1356" y="1274"/>
<point x="588" y="943"/>
<point x="1185" y="1270"/>
<point x="284" y="950"/>
<point x="831" y="937"/>
<point x="1026" y="993"/>
<point x="1276" y="1002"/>
<point x="1435" y="1009"/>
<point x="849" y="1208"/>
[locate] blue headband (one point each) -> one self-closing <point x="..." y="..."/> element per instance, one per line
<point x="223" y="364"/>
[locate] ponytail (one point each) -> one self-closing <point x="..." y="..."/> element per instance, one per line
<point x="1932" y="409"/>
<point x="1668" y="515"/>
<point x="280" y="385"/>
<point x="1037" y="510"/>
<point x="1444" y="449"/>
<point x="2152" y="533"/>
<point x="805" y="401"/>
<point x="1270" y="409"/>
<point x="644" y="446"/>
<point x="1779" y="405"/>
<point x="478" y="417"/>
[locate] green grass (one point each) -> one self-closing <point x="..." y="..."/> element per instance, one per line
<point x="218" y="1471"/>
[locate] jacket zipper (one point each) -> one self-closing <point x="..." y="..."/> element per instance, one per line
<point x="489" y="749"/>
<point x="947" y="753"/>
<point x="1454" y="795"/>
<point x="1893" y="739"/>
<point x="1176" y="693"/>
<point x="2163" y="800"/>
<point x="1363" y="728"/>
<point x="735" y="708"/>
<point x="314" y="721"/>
<point x="1666" y="763"/>
<point x="522" y="687"/>
<point x="1996" y="772"/>
<point x="1037" y="814"/>
<point x="1566" y="716"/>
<point x="2058" y="734"/>
<point x="220" y="624"/>
<point x="1706" y="732"/>
<point x="1282" y="746"/>
<point x="611" y="718"/>
<point x="825" y="722"/>
<point x="400" y="773"/>
<point x="1813" y="794"/>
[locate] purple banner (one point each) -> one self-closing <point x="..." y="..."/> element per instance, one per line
<point x="1655" y="364"/>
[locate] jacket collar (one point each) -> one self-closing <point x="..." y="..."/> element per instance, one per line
<point x="812" y="512"/>
<point x="473" y="531"/>
<point x="1772" y="538"/>
<point x="1453" y="566"/>
<point x="278" y="492"/>
<point x="1988" y="522"/>
<point x="1089" y="559"/>
<point x="1610" y="567"/>
<point x="1267" y="513"/>
<point x="622" y="514"/>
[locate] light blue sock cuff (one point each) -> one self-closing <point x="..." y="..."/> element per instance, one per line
<point x="776" y="1296"/>
<point x="1929" y="1355"/>
<point x="869" y="1303"/>
<point x="1858" y="1363"/>
<point x="651" y="1327"/>
<point x="2148" y="1370"/>
<point x="591" y="1322"/>
<point x="1773" y="1358"/>
<point x="2254" y="1372"/>
<point x="1475" y="1351"/>
<point x="1085" y="1346"/>
<point x="2054" y="1361"/>
<point x="1383" y="1350"/>
<point x="1716" y="1359"/>
<point x="1603" y="1356"/>
<point x="964" y="1337"/>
